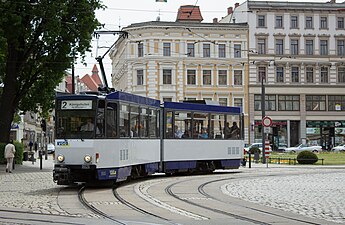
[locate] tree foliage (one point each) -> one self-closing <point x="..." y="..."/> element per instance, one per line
<point x="37" y="41"/>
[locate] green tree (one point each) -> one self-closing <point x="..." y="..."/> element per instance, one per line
<point x="37" y="39"/>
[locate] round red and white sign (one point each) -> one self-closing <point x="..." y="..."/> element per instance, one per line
<point x="267" y="121"/>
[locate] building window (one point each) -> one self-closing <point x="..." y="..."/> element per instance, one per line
<point x="237" y="51"/>
<point x="140" y="77"/>
<point x="237" y="77"/>
<point x="315" y="103"/>
<point x="295" y="74"/>
<point x="309" y="22"/>
<point x="294" y="22"/>
<point x="324" y="74"/>
<point x="190" y="50"/>
<point x="238" y="102"/>
<point x="279" y="22"/>
<point x="310" y="74"/>
<point x="336" y="103"/>
<point x="221" y="50"/>
<point x="261" y="21"/>
<point x="167" y="76"/>
<point x="167" y="99"/>
<point x="206" y="50"/>
<point x="340" y="48"/>
<point x="340" y="22"/>
<point x="294" y="47"/>
<point x="323" y="22"/>
<point x="140" y="49"/>
<point x="223" y="101"/>
<point x="206" y="77"/>
<point x="341" y="74"/>
<point x="288" y="103"/>
<point x="222" y="77"/>
<point x="270" y="102"/>
<point x="191" y="77"/>
<point x="323" y="47"/>
<point x="262" y="74"/>
<point x="309" y="47"/>
<point x="279" y="74"/>
<point x="166" y="49"/>
<point x="279" y="46"/>
<point x="261" y="46"/>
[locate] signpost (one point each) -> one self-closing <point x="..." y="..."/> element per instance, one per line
<point x="267" y="123"/>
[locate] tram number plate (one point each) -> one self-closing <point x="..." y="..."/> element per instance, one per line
<point x="85" y="166"/>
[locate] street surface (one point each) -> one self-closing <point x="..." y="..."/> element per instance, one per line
<point x="29" y="195"/>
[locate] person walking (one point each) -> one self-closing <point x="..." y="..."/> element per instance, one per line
<point x="10" y="149"/>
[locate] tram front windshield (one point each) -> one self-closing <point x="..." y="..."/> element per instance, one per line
<point x="73" y="123"/>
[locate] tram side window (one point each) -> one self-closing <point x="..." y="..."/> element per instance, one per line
<point x="144" y="125"/>
<point x="153" y="123"/>
<point x="232" y="129"/>
<point x="100" y="119"/>
<point x="200" y="126"/>
<point x="134" y="121"/>
<point x="111" y="120"/>
<point x="217" y="126"/>
<point x="168" y="125"/>
<point x="124" y="120"/>
<point x="182" y="124"/>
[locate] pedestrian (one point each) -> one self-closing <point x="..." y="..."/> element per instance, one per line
<point x="30" y="145"/>
<point x="10" y="149"/>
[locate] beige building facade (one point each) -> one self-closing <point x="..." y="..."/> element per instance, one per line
<point x="184" y="60"/>
<point x="298" y="48"/>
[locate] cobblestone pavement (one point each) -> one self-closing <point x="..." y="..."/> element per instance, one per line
<point x="319" y="195"/>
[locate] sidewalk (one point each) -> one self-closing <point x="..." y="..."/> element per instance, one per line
<point x="28" y="166"/>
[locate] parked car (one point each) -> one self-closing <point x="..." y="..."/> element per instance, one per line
<point x="339" y="148"/>
<point x="259" y="145"/>
<point x="50" y="148"/>
<point x="304" y="147"/>
<point x="280" y="148"/>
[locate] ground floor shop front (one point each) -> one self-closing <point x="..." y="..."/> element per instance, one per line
<point x="287" y="133"/>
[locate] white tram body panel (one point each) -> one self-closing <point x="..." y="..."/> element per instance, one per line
<point x="187" y="150"/>
<point x="111" y="153"/>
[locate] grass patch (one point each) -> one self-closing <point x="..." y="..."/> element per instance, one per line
<point x="330" y="158"/>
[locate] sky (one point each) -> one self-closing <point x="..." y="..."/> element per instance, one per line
<point x="122" y="13"/>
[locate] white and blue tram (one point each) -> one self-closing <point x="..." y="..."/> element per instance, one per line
<point x="119" y="135"/>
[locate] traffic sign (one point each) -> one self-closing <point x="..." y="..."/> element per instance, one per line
<point x="267" y="121"/>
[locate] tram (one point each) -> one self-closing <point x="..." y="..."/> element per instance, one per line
<point x="117" y="136"/>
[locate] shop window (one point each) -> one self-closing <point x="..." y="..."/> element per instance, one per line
<point x="270" y="102"/>
<point x="315" y="102"/>
<point x="288" y="103"/>
<point x="336" y="103"/>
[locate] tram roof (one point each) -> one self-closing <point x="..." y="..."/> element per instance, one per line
<point x="119" y="95"/>
<point x="202" y="107"/>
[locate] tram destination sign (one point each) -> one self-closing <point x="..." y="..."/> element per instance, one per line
<point x="76" y="104"/>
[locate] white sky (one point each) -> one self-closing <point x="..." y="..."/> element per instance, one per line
<point x="122" y="13"/>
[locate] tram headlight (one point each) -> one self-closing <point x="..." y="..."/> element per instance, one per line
<point x="87" y="158"/>
<point x="60" y="158"/>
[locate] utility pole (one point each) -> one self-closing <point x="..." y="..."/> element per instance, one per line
<point x="263" y="114"/>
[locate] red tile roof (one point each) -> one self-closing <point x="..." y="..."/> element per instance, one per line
<point x="92" y="82"/>
<point x="189" y="13"/>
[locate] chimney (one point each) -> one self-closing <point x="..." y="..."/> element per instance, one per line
<point x="215" y="20"/>
<point x="237" y="5"/>
<point x="230" y="10"/>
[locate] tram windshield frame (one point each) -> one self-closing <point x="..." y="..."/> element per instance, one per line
<point x="76" y="118"/>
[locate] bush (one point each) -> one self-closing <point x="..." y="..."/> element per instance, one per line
<point x="306" y="157"/>
<point x="18" y="155"/>
<point x="254" y="149"/>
